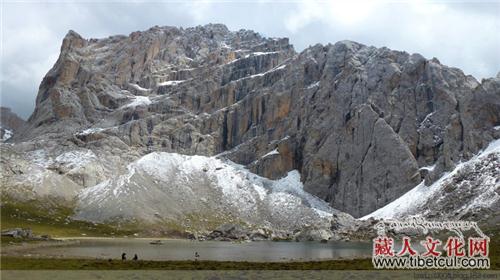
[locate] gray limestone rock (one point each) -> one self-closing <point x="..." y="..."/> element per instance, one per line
<point x="362" y="125"/>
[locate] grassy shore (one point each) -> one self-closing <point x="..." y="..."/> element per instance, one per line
<point x="55" y="221"/>
<point x="14" y="262"/>
<point x="56" y="224"/>
<point x="21" y="263"/>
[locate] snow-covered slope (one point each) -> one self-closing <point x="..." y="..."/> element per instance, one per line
<point x="195" y="191"/>
<point x="471" y="189"/>
<point x="6" y="134"/>
<point x="27" y="179"/>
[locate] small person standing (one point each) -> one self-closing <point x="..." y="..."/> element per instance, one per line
<point x="124" y="256"/>
<point x="135" y="257"/>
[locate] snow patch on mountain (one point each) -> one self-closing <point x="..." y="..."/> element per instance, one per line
<point x="313" y="85"/>
<point x="90" y="131"/>
<point x="139" y="88"/>
<point x="292" y="185"/>
<point x="429" y="168"/>
<point x="171" y="83"/>
<point x="170" y="186"/>
<point x="75" y="159"/>
<point x="260" y="53"/>
<point x="40" y="157"/>
<point x="473" y="184"/>
<point x="139" y="101"/>
<point x="281" y="67"/>
<point x="271" y="153"/>
<point x="7" y="134"/>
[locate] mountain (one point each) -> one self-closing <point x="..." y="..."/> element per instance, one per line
<point x="468" y="192"/>
<point x="132" y="127"/>
<point x="10" y="123"/>
<point x="168" y="187"/>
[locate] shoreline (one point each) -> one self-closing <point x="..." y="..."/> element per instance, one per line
<point x="40" y="250"/>
<point x="114" y="238"/>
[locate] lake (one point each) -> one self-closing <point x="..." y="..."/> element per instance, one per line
<point x="259" y="251"/>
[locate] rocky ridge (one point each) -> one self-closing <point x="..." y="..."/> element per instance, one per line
<point x="469" y="192"/>
<point x="359" y="125"/>
<point x="10" y="123"/>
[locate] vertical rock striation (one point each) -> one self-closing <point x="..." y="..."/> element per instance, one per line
<point x="363" y="125"/>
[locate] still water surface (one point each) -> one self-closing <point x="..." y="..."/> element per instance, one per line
<point x="261" y="251"/>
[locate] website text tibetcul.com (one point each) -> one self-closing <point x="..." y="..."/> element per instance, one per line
<point x="456" y="252"/>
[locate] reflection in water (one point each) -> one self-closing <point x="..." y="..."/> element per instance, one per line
<point x="210" y="250"/>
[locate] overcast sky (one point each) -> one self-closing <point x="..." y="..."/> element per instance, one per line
<point x="464" y="34"/>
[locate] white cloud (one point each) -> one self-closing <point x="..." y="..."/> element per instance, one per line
<point x="198" y="10"/>
<point x="332" y="13"/>
<point x="460" y="34"/>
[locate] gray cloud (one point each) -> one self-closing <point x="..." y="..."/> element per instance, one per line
<point x="460" y="33"/>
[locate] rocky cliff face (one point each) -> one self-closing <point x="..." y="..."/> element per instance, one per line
<point x="469" y="192"/>
<point x="10" y="123"/>
<point x="362" y="125"/>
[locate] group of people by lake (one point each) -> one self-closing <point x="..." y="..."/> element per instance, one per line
<point x="124" y="257"/>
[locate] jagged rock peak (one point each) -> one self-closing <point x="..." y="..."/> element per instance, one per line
<point x="72" y="40"/>
<point x="73" y="34"/>
<point x="361" y="124"/>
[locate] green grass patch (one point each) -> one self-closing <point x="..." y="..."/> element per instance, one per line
<point x="47" y="217"/>
<point x="54" y="220"/>
<point x="21" y="263"/>
<point x="8" y="240"/>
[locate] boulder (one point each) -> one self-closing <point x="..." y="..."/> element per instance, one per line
<point x="18" y="233"/>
